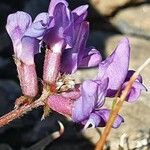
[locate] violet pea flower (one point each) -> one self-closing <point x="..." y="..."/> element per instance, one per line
<point x="64" y="21"/>
<point x="85" y="106"/>
<point x="24" y="49"/>
<point x="115" y="67"/>
<point x="66" y="41"/>
<point x="88" y="108"/>
<point x="79" y="56"/>
<point x="60" y="36"/>
<point x="52" y="33"/>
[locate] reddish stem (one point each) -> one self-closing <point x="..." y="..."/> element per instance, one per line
<point x="14" y="114"/>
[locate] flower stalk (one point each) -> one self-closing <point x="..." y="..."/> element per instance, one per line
<point x="17" y="113"/>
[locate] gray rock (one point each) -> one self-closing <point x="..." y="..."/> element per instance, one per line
<point x="107" y="7"/>
<point x="134" y="21"/>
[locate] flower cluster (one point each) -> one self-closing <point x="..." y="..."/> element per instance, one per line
<point x="64" y="34"/>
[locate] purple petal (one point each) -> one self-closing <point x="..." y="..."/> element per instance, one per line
<point x="83" y="106"/>
<point x="91" y="60"/>
<point x="69" y="62"/>
<point x="81" y="35"/>
<point x="102" y="91"/>
<point x="104" y="115"/>
<point x="80" y="11"/>
<point x="39" y="26"/>
<point x="115" y="67"/>
<point x="29" y="47"/>
<point x="93" y="121"/>
<point x="130" y="73"/>
<point x="73" y="56"/>
<point x="54" y="3"/>
<point x="135" y="92"/>
<point x="92" y="97"/>
<point x="78" y="16"/>
<point x="61" y="15"/>
<point x="17" y="24"/>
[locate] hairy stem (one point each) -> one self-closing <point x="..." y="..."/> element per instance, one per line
<point x="17" y="113"/>
<point x="118" y="106"/>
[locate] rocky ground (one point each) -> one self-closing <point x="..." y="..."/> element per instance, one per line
<point x="110" y="21"/>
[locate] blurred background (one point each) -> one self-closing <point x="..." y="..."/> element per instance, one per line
<point x="109" y="22"/>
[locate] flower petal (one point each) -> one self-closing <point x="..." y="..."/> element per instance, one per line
<point x="93" y="120"/>
<point x="78" y="16"/>
<point x="135" y="92"/>
<point x="61" y="15"/>
<point x="17" y="24"/>
<point x="74" y="55"/>
<point x="104" y="114"/>
<point x="69" y="62"/>
<point x="91" y="60"/>
<point x="102" y="91"/>
<point x="39" y="26"/>
<point x="80" y="11"/>
<point x="115" y="67"/>
<point x="29" y="46"/>
<point x="83" y="106"/>
<point x="54" y="3"/>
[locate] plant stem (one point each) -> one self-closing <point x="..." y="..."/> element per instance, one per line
<point x="118" y="106"/>
<point x="17" y="113"/>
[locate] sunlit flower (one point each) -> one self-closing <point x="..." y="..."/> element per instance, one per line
<point x="85" y="105"/>
<point x="115" y="67"/>
<point x="88" y="108"/>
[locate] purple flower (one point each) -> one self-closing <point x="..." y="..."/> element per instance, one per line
<point x="24" y="46"/>
<point x="79" y="56"/>
<point x="115" y="67"/>
<point x="84" y="105"/>
<point x="87" y="109"/>
<point x="64" y="22"/>
<point x="66" y="41"/>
